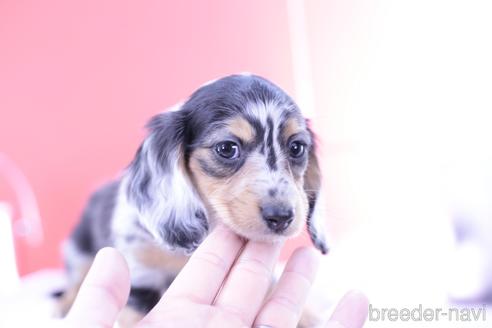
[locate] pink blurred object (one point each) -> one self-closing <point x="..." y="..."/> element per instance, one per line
<point x="27" y="227"/>
<point x="9" y="277"/>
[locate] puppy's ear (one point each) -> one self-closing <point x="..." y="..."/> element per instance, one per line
<point x="158" y="185"/>
<point x="312" y="187"/>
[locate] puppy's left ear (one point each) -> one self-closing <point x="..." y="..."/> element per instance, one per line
<point x="312" y="187"/>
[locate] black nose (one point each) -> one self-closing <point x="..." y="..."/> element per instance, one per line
<point x="277" y="218"/>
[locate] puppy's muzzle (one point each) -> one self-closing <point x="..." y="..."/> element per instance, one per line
<point x="277" y="217"/>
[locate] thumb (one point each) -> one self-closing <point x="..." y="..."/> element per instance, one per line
<point x="103" y="293"/>
<point x="351" y="311"/>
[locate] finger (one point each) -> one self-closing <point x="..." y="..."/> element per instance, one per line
<point x="351" y="311"/>
<point x="284" y="306"/>
<point x="103" y="293"/>
<point x="202" y="276"/>
<point x="249" y="280"/>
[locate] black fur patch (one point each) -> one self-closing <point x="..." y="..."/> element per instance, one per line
<point x="178" y="234"/>
<point x="259" y="132"/>
<point x="317" y="241"/>
<point x="271" y="158"/>
<point x="138" y="188"/>
<point x="143" y="299"/>
<point x="93" y="231"/>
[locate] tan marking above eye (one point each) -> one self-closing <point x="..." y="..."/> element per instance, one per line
<point x="291" y="127"/>
<point x="241" y="129"/>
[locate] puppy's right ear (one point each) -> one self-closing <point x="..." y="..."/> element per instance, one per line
<point x="312" y="187"/>
<point x="158" y="185"/>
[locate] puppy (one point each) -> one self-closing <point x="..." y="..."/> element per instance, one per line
<point x="238" y="151"/>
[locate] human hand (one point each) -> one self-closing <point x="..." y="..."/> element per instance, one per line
<point x="224" y="283"/>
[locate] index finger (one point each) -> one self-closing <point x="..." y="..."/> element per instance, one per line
<point x="103" y="293"/>
<point x="202" y="276"/>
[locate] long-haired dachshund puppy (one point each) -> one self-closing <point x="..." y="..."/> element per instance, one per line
<point x="238" y="151"/>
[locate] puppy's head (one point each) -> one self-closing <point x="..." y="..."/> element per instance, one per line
<point x="238" y="151"/>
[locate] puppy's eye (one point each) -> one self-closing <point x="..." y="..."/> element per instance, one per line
<point x="227" y="149"/>
<point x="296" y="149"/>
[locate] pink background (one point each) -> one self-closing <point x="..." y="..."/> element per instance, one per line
<point x="79" y="79"/>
